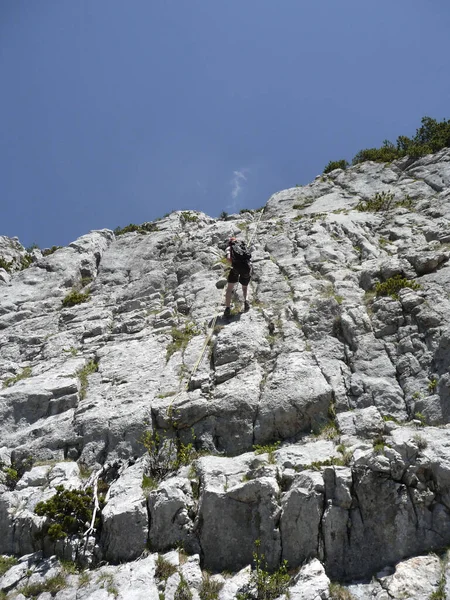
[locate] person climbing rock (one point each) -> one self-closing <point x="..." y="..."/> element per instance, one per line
<point x="241" y="271"/>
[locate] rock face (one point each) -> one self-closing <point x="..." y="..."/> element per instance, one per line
<point x="316" y="423"/>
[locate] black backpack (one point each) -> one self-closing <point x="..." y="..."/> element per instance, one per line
<point x="240" y="256"/>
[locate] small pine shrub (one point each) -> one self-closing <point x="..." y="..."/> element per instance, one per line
<point x="223" y="216"/>
<point x="48" y="251"/>
<point x="381" y="202"/>
<point x="4" y="264"/>
<point x="335" y="164"/>
<point x="75" y="297"/>
<point x="188" y="217"/>
<point x="25" y="261"/>
<point x="67" y="512"/>
<point x="393" y="285"/>
<point x="142" y="229"/>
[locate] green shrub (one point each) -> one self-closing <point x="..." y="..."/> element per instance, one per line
<point x="432" y="385"/>
<point x="67" y="512"/>
<point x="188" y="217"/>
<point x="421" y="417"/>
<point x="48" y="251"/>
<point x="209" y="589"/>
<point x="83" y="374"/>
<point x="24" y="374"/>
<point x="269" y="449"/>
<point x="4" y="264"/>
<point x="393" y="285"/>
<point x="387" y="418"/>
<point x="268" y="586"/>
<point x="379" y="444"/>
<point x="387" y="153"/>
<point x="6" y="562"/>
<point x="166" y="454"/>
<point x="223" y="216"/>
<point x="148" y="483"/>
<point x="25" y="261"/>
<point x="13" y="472"/>
<point x="143" y="229"/>
<point x="75" y="297"/>
<point x="335" y="164"/>
<point x="164" y="569"/>
<point x="381" y="202"/>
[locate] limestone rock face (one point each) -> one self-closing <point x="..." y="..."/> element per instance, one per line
<point x="313" y="429"/>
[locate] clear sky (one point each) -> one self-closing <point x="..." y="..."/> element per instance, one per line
<point x="119" y="111"/>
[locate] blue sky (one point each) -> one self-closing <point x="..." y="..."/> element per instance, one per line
<point x="117" y="112"/>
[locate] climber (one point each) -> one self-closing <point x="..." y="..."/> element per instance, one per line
<point x="241" y="270"/>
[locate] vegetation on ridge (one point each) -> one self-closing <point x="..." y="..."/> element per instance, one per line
<point x="431" y="137"/>
<point x="143" y="229"/>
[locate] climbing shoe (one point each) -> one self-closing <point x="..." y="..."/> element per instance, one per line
<point x="227" y="312"/>
<point x="246" y="306"/>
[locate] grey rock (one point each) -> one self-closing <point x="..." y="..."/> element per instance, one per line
<point x="125" y="521"/>
<point x="311" y="583"/>
<point x="316" y="343"/>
